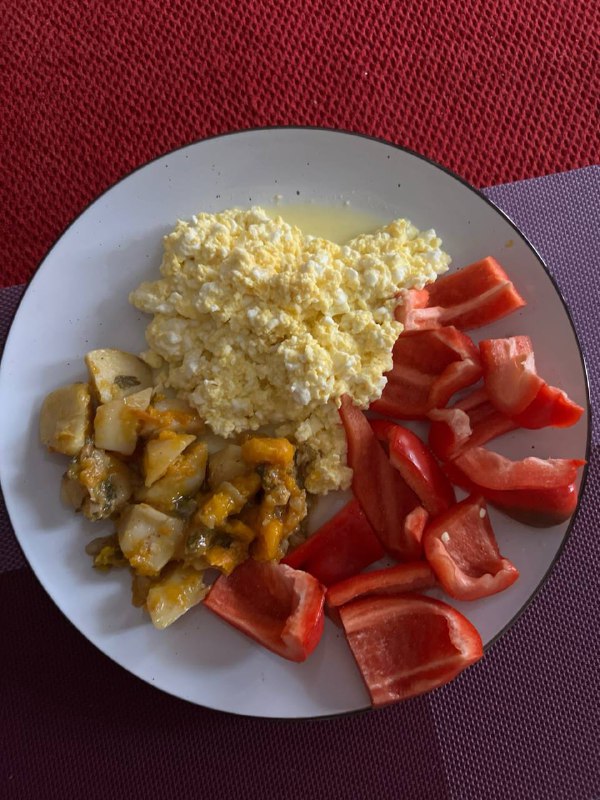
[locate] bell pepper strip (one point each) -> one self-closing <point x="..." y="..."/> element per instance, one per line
<point x="491" y="470"/>
<point x="455" y="377"/>
<point x="449" y="432"/>
<point x="342" y="547"/>
<point x="471" y="422"/>
<point x="551" y="407"/>
<point x="383" y="495"/>
<point x="515" y="388"/>
<point x="461" y="548"/>
<point x="539" y="508"/>
<point x="509" y="373"/>
<point x="475" y="398"/>
<point x="415" y="576"/>
<point x="408" y="644"/>
<point x="542" y="504"/>
<point x="410" y="310"/>
<point x="472" y="297"/>
<point x="414" y="527"/>
<point x="417" y="465"/>
<point x="279" y="607"/>
<point x="429" y="367"/>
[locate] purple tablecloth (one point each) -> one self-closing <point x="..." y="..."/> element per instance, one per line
<point x="523" y="723"/>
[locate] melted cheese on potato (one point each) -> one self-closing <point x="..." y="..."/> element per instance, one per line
<point x="258" y="324"/>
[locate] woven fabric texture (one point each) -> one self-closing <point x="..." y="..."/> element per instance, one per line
<point x="498" y="90"/>
<point x="522" y="723"/>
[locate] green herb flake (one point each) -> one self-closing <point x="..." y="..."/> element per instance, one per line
<point x="126" y="381"/>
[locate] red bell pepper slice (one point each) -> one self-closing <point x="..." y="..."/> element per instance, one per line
<point x="408" y="644"/>
<point x="415" y="576"/>
<point x="515" y="388"/>
<point x="469" y="423"/>
<point x="277" y="606"/>
<point x="455" y="377"/>
<point x="474" y="399"/>
<point x="550" y="407"/>
<point x="470" y="298"/>
<point x="417" y="465"/>
<point x="539" y="507"/>
<point x="492" y="471"/>
<point x="449" y="431"/>
<point x="429" y="367"/>
<point x="342" y="547"/>
<point x="382" y="493"/>
<point x="509" y="373"/>
<point x="462" y="550"/>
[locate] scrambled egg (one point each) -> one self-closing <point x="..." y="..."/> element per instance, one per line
<point x="258" y="324"/>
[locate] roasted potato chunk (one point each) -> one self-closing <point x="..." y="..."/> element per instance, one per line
<point x="226" y="464"/>
<point x="97" y="484"/>
<point x="116" y="374"/>
<point x="171" y="414"/>
<point x="65" y="419"/>
<point x="174" y="594"/>
<point x="117" y="423"/>
<point x="161" y="452"/>
<point x="148" y="538"/>
<point x="182" y="480"/>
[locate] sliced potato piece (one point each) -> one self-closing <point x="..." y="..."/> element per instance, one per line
<point x="116" y="374"/>
<point x="139" y="400"/>
<point x="171" y="414"/>
<point x="148" y="538"/>
<point x="116" y="427"/>
<point x="161" y="452"/>
<point x="225" y="465"/>
<point x="174" y="594"/>
<point x="182" y="480"/>
<point x="65" y="419"/>
<point x="116" y="424"/>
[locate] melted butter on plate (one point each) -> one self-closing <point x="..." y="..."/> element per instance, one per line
<point x="336" y="223"/>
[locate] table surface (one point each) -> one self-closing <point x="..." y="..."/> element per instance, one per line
<point x="497" y="90"/>
<point x="500" y="92"/>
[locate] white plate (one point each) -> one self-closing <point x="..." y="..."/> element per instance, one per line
<point x="78" y="301"/>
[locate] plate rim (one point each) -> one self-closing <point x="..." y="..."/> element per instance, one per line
<point x="382" y="141"/>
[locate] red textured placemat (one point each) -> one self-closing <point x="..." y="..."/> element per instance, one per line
<point x="497" y="90"/>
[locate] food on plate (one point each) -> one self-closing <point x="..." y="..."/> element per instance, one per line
<point x="143" y="463"/>
<point x="178" y="589"/>
<point x="115" y="374"/>
<point x="417" y="465"/>
<point x="97" y="483"/>
<point x="390" y="505"/>
<point x="340" y="548"/>
<point x="270" y="353"/>
<point x="536" y="491"/>
<point x="515" y="388"/>
<point x="461" y="548"/>
<point x="280" y="607"/>
<point x="65" y="419"/>
<point x="406" y="645"/>
<point x="429" y="367"/>
<point x="413" y="576"/>
<point x="257" y="324"/>
<point x="470" y="422"/>
<point x="472" y="297"/>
